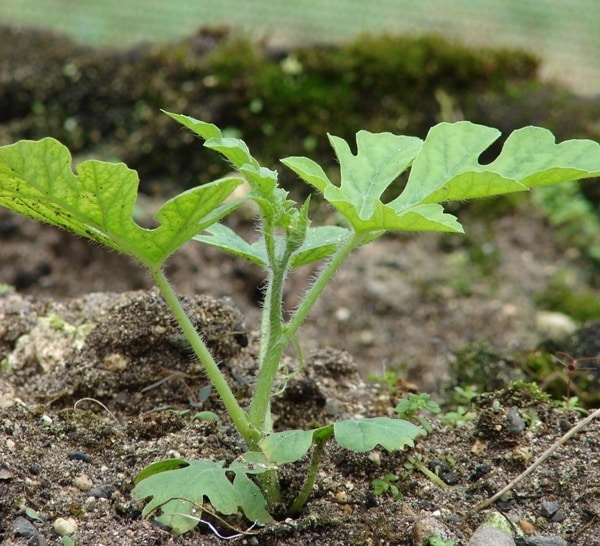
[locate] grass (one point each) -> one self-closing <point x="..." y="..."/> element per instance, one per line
<point x="564" y="34"/>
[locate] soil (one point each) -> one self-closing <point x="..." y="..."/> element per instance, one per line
<point x="84" y="325"/>
<point x="96" y="383"/>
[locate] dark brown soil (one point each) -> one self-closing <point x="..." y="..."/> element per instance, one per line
<point x="96" y="383"/>
<point x="57" y="443"/>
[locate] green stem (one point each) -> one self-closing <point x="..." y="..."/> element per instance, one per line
<point x="238" y="415"/>
<point x="300" y="500"/>
<point x="428" y="473"/>
<point x="326" y="274"/>
<point x="275" y="337"/>
<point x="272" y="346"/>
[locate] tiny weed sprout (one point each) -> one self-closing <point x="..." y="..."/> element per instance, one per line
<point x="387" y="484"/>
<point x="571" y="365"/>
<point x="409" y="408"/>
<point x="97" y="202"/>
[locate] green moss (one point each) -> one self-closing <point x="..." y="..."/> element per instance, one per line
<point x="106" y="104"/>
<point x="568" y="294"/>
<point x="482" y="367"/>
<point x="549" y="365"/>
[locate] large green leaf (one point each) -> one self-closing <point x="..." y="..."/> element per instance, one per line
<point x="364" y="434"/>
<point x="444" y="167"/>
<point x="179" y="489"/>
<point x="448" y="168"/>
<point x="37" y="180"/>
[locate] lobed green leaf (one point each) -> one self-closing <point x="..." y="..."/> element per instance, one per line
<point x="448" y="166"/>
<point x="179" y="492"/>
<point x="37" y="180"/>
<point x="365" y="434"/>
<point x="444" y="167"/>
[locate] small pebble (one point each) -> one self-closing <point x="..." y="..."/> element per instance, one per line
<point x="375" y="457"/>
<point x="428" y="527"/>
<point x="83" y="482"/>
<point x="65" y="526"/>
<point x="443" y="471"/>
<point x="79" y="456"/>
<point x="37" y="540"/>
<point x="480" y="471"/>
<point x="545" y="541"/>
<point x="102" y="492"/>
<point x="22" y="527"/>
<point x="341" y="496"/>
<point x="527" y="527"/>
<point x="489" y="536"/>
<point x="514" y="424"/>
<point x="342" y="314"/>
<point x="549" y="508"/>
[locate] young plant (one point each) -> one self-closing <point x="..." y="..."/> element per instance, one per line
<point x="410" y="408"/>
<point x="387" y="484"/>
<point x="36" y="179"/>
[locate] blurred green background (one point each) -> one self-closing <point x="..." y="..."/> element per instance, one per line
<point x="563" y="33"/>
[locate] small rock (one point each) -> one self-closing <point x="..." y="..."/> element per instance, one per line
<point x="6" y="474"/>
<point x="65" y="526"/>
<point x="554" y="325"/>
<point x="494" y="531"/>
<point x="80" y="456"/>
<point x="22" y="527"/>
<point x="428" y="527"/>
<point x="443" y="471"/>
<point x="341" y="496"/>
<point x="514" y="424"/>
<point x="527" y="527"/>
<point x="375" y="457"/>
<point x="479" y="472"/>
<point x="102" y="492"/>
<point x="342" y="314"/>
<point x="37" y="540"/>
<point x="549" y="508"/>
<point x="489" y="536"/>
<point x="83" y="482"/>
<point x="544" y="541"/>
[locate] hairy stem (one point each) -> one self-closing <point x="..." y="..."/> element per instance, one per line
<point x="272" y="345"/>
<point x="238" y="415"/>
<point x="326" y="274"/>
<point x="275" y="336"/>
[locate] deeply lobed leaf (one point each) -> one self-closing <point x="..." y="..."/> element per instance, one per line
<point x="180" y="488"/>
<point x="444" y="167"/>
<point x="448" y="168"/>
<point x="36" y="179"/>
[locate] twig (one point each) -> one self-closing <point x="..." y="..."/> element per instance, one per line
<point x="214" y="514"/>
<point x="100" y="404"/>
<point x="536" y="463"/>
